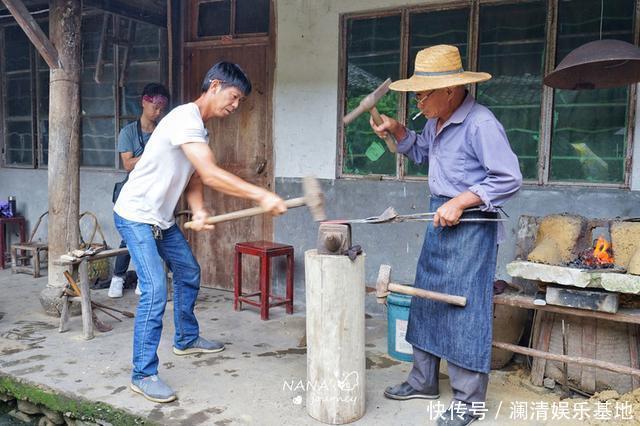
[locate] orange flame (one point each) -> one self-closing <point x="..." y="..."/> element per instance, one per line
<point x="602" y="251"/>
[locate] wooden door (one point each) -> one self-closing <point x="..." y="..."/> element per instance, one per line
<point x="242" y="145"/>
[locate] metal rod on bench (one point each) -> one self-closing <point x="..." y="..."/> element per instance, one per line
<point x="617" y="368"/>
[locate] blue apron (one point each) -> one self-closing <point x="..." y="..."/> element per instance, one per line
<point x="458" y="260"/>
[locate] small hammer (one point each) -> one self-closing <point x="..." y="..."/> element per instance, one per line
<point x="384" y="287"/>
<point x="313" y="198"/>
<point x="369" y="104"/>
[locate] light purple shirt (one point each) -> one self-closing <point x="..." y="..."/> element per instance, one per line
<point x="471" y="153"/>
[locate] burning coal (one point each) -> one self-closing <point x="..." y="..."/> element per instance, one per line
<point x="600" y="256"/>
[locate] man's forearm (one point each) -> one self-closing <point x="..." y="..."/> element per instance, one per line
<point x="194" y="193"/>
<point x="230" y="184"/>
<point x="399" y="132"/>
<point x="131" y="163"/>
<point x="467" y="199"/>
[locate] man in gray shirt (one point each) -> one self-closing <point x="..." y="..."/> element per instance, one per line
<point x="131" y="142"/>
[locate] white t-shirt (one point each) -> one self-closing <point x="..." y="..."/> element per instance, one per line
<point x="159" y="178"/>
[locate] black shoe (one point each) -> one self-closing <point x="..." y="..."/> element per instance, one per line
<point x="405" y="391"/>
<point x="449" y="418"/>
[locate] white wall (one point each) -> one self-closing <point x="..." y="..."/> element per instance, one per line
<point x="306" y="82"/>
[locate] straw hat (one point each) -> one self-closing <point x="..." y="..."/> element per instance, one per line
<point x="438" y="67"/>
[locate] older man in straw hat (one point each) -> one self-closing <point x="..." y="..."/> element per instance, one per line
<point x="470" y="165"/>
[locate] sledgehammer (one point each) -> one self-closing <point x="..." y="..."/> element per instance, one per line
<point x="369" y="104"/>
<point x="384" y="287"/>
<point x="313" y="198"/>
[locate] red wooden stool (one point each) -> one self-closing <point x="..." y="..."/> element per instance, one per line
<point x="265" y="250"/>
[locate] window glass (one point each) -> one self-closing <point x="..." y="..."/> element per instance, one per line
<point x="512" y="46"/>
<point x="18" y="90"/>
<point x="19" y="149"/>
<point x="373" y="55"/>
<point x="429" y="29"/>
<point x="16" y="49"/>
<point x="214" y="18"/>
<point x="43" y="113"/>
<point x="97" y="98"/>
<point x="252" y="16"/>
<point x="589" y="139"/>
<point x="44" y="140"/>
<point x="145" y="46"/>
<point x="91" y="36"/>
<point x="98" y="148"/>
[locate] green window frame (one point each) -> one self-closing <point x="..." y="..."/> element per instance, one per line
<point x="560" y="137"/>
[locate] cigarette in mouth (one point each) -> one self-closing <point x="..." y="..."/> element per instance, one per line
<point x="416" y="116"/>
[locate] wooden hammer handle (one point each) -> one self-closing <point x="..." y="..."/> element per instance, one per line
<point x="389" y="139"/>
<point x="440" y="297"/>
<point x="253" y="211"/>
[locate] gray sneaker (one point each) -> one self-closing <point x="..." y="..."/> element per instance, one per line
<point x="201" y="346"/>
<point x="154" y="389"/>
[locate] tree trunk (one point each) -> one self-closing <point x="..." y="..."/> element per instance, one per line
<point x="64" y="140"/>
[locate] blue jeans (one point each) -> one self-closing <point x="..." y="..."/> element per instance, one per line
<point x="122" y="262"/>
<point x="147" y="255"/>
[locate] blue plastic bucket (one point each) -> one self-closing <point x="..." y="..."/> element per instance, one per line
<point x="397" y="320"/>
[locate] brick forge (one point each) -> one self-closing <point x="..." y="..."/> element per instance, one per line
<point x="560" y="240"/>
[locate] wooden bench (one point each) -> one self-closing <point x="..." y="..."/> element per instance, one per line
<point x="80" y="267"/>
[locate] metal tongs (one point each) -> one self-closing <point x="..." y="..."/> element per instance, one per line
<point x="390" y="215"/>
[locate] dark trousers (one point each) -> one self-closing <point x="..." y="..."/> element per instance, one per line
<point x="468" y="386"/>
<point x="122" y="262"/>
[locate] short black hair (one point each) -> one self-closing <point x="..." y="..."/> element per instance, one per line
<point x="230" y="74"/>
<point x="153" y="89"/>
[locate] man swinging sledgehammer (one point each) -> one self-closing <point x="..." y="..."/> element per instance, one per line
<point x="178" y="158"/>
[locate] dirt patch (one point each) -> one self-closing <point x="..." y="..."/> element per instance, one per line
<point x="377" y="362"/>
<point x="209" y="361"/>
<point x="285" y="352"/>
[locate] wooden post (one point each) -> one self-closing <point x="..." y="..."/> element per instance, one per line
<point x="64" y="315"/>
<point x="85" y="296"/>
<point x="64" y="139"/>
<point x="335" y="291"/>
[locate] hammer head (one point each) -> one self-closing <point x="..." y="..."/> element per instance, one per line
<point x="368" y="102"/>
<point x="313" y="197"/>
<point x="382" y="284"/>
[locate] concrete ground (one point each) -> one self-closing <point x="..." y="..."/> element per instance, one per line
<point x="249" y="383"/>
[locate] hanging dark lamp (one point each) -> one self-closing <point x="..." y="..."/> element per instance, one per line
<point x="598" y="64"/>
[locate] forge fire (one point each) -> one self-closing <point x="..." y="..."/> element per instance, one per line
<point x="600" y="256"/>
